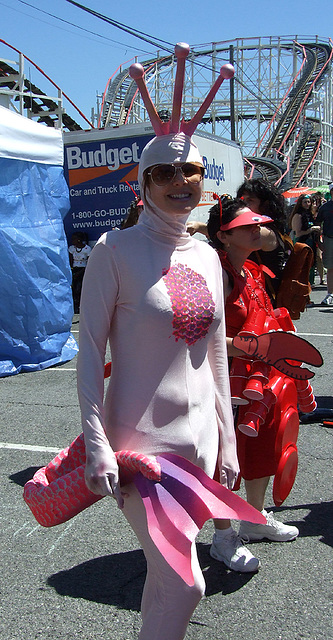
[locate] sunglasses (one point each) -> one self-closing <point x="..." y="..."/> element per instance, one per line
<point x="163" y="174"/>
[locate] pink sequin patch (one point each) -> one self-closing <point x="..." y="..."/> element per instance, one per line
<point x="192" y="303"/>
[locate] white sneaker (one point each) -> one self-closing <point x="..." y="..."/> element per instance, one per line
<point x="273" y="530"/>
<point x="233" y="553"/>
<point x="328" y="300"/>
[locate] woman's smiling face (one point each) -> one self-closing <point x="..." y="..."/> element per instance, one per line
<point x="179" y="196"/>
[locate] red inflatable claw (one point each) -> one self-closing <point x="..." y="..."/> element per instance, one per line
<point x="58" y="492"/>
<point x="279" y="349"/>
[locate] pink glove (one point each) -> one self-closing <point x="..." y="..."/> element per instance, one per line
<point x="228" y="477"/>
<point x="102" y="472"/>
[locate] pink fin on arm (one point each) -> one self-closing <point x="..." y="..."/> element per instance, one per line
<point x="181" y="503"/>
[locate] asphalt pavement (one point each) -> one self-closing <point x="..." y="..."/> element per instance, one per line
<point x="83" y="579"/>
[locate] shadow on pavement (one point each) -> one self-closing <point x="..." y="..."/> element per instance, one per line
<point x="21" y="477"/>
<point x="115" y="579"/>
<point x="220" y="579"/>
<point x="118" y="579"/>
<point x="325" y="402"/>
<point x="318" y="522"/>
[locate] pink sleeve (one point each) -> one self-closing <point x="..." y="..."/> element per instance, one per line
<point x="98" y="301"/>
<point x="217" y="353"/>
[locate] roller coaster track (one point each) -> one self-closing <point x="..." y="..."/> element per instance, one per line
<point x="290" y="131"/>
<point x="33" y="101"/>
<point x="318" y="57"/>
<point x="282" y="118"/>
<point x="120" y="93"/>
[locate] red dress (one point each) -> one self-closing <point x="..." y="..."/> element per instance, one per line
<point x="272" y="449"/>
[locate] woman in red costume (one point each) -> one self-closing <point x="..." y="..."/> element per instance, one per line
<point x="235" y="235"/>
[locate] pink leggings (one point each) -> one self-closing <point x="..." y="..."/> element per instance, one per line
<point x="167" y="601"/>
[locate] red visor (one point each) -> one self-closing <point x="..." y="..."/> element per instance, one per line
<point x="245" y="218"/>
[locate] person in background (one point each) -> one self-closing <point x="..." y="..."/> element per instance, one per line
<point x="317" y="201"/>
<point x="196" y="226"/>
<point x="325" y="220"/>
<point x="303" y="224"/>
<point x="245" y="293"/>
<point x="79" y="252"/>
<point x="136" y="208"/>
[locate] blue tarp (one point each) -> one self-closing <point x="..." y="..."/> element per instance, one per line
<point x="35" y="294"/>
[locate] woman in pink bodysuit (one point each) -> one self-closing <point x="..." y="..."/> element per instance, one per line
<point x="156" y="295"/>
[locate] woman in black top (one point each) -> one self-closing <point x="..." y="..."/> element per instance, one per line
<point x="264" y="198"/>
<point x="303" y="224"/>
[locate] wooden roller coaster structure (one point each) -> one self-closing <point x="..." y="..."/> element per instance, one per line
<point x="279" y="106"/>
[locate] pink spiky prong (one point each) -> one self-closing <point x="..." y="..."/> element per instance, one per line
<point x="137" y="72"/>
<point x="226" y="73"/>
<point x="181" y="52"/>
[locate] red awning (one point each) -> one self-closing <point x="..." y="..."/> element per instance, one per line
<point x="295" y="192"/>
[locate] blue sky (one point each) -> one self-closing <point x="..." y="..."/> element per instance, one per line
<point x="81" y="62"/>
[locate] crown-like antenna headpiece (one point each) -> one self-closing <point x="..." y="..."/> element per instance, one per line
<point x="161" y="128"/>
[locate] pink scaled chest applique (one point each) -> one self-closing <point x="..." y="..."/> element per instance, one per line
<point x="192" y="303"/>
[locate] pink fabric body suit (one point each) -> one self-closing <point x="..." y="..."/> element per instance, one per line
<point x="156" y="294"/>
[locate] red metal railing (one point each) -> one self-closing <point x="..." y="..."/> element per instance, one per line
<point x="49" y="79"/>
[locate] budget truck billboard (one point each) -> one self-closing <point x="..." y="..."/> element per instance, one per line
<point x="101" y="169"/>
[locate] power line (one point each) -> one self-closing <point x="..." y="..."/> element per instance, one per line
<point x="148" y="38"/>
<point x="119" y="25"/>
<point x="153" y="41"/>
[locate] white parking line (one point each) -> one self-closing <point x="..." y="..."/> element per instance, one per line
<point x="65" y="532"/>
<point x="60" y="369"/>
<point x="28" y="447"/>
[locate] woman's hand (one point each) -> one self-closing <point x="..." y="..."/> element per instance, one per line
<point x="268" y="239"/>
<point x="102" y="473"/>
<point x="194" y="226"/>
<point x="228" y="477"/>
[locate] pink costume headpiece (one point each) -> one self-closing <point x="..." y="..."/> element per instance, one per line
<point x="173" y="138"/>
<point x="182" y="50"/>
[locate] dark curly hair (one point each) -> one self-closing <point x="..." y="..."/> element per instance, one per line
<point x="272" y="202"/>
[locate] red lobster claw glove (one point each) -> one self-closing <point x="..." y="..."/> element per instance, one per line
<point x="282" y="350"/>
